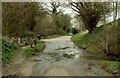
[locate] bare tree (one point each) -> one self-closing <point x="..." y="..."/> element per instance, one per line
<point x="90" y="12"/>
<point x="52" y="7"/>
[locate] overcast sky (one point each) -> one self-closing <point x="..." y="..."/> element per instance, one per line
<point x="65" y="10"/>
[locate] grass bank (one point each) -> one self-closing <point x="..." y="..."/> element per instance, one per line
<point x="111" y="67"/>
<point x="37" y="49"/>
<point x="8" y="51"/>
<point x="96" y="42"/>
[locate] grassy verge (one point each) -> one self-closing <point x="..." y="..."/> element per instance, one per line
<point x="8" y="51"/>
<point x="95" y="42"/>
<point x="89" y="41"/>
<point x="32" y="51"/>
<point x="29" y="51"/>
<point x="112" y="67"/>
<point x="93" y="46"/>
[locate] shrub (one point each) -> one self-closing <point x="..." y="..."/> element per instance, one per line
<point x="7" y="51"/>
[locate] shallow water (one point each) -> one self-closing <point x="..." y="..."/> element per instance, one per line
<point x="61" y="55"/>
<point x="59" y="58"/>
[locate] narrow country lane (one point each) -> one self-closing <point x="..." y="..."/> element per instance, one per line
<point x="62" y="58"/>
<point x="59" y="58"/>
<point x="60" y="38"/>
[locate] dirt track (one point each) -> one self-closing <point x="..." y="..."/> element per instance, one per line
<point x="60" y="58"/>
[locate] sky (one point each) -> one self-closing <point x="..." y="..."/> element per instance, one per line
<point x="65" y="10"/>
<point x="70" y="12"/>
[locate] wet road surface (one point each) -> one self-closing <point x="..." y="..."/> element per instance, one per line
<point x="62" y="58"/>
<point x="59" y="58"/>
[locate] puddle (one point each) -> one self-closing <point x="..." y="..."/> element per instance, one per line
<point x="53" y="54"/>
<point x="68" y="56"/>
<point x="63" y="58"/>
<point x="58" y="58"/>
<point x="62" y="48"/>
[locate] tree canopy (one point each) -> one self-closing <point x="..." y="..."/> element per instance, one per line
<point x="31" y="18"/>
<point x="19" y="17"/>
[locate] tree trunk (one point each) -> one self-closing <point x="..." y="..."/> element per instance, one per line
<point x="90" y="24"/>
<point x="90" y="27"/>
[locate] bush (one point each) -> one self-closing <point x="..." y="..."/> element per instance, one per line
<point x="7" y="51"/>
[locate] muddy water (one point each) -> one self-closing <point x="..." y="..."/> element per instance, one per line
<point x="62" y="58"/>
<point x="59" y="58"/>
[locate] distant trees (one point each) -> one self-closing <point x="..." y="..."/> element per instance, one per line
<point x="59" y="20"/>
<point x="63" y="21"/>
<point x="45" y="26"/>
<point x="52" y="7"/>
<point x="31" y="18"/>
<point x="90" y="12"/>
<point x="48" y="25"/>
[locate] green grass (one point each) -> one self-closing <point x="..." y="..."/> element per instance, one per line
<point x="29" y="52"/>
<point x="88" y="41"/>
<point x="93" y="42"/>
<point x="111" y="66"/>
<point x="40" y="46"/>
<point x="8" y="51"/>
<point x="32" y="51"/>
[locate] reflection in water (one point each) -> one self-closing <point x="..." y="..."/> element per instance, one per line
<point x="66" y="57"/>
<point x="77" y="56"/>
